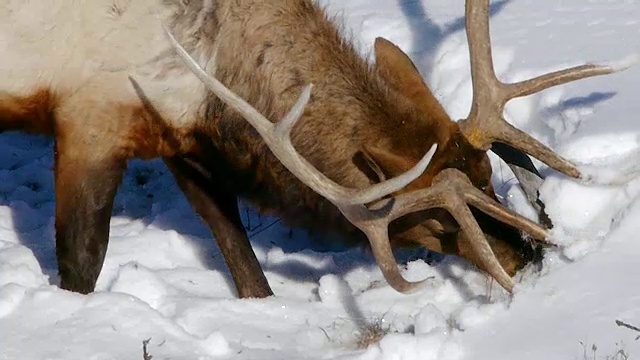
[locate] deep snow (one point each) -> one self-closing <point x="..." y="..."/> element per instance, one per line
<point x="165" y="280"/>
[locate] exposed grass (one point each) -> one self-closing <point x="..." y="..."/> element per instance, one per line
<point x="591" y="352"/>
<point x="372" y="334"/>
<point x="145" y="353"/>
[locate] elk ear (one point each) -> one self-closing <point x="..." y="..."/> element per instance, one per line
<point x="397" y="69"/>
<point x="379" y="165"/>
<point x="365" y="163"/>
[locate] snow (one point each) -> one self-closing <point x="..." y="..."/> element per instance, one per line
<point x="624" y="63"/>
<point x="164" y="278"/>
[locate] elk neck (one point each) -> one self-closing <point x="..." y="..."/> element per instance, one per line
<point x="266" y="52"/>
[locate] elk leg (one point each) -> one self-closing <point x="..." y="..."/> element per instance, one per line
<point x="219" y="209"/>
<point x="86" y="184"/>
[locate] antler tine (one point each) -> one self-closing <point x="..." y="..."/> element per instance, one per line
<point x="502" y="213"/>
<point x="517" y="138"/>
<point x="351" y="202"/>
<point x="375" y="225"/>
<point x="542" y="82"/>
<point x="483" y="77"/>
<point x="485" y="123"/>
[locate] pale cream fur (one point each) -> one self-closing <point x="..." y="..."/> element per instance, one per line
<point x="68" y="45"/>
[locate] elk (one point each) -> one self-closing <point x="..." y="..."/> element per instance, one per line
<point x="366" y="151"/>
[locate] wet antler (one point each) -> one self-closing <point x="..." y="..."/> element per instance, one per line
<point x="451" y="189"/>
<point x="485" y="123"/>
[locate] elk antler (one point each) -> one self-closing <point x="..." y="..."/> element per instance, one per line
<point x="451" y="189"/>
<point x="485" y="123"/>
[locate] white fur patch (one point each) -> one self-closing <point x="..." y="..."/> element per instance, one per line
<point x="63" y="44"/>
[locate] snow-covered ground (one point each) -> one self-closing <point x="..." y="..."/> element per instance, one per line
<point x="164" y="279"/>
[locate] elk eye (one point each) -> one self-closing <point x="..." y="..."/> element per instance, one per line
<point x="484" y="185"/>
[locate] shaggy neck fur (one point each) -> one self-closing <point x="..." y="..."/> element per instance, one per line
<point x="350" y="105"/>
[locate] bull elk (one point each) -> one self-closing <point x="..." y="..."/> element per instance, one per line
<point x="368" y="152"/>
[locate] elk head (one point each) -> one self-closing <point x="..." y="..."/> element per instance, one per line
<point x="444" y="184"/>
<point x="435" y="228"/>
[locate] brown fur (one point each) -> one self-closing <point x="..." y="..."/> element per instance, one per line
<point x="28" y="113"/>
